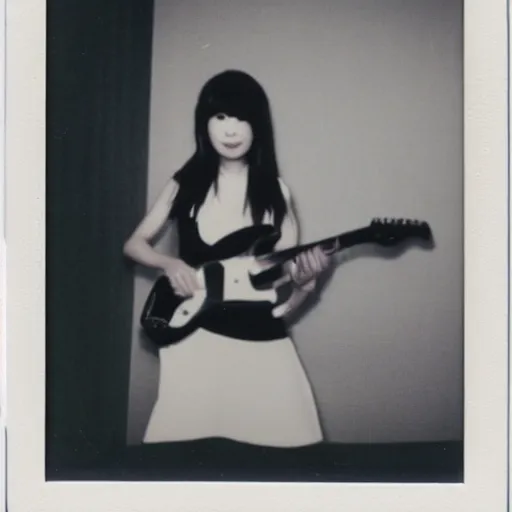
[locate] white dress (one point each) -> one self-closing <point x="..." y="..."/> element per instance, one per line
<point x="215" y="386"/>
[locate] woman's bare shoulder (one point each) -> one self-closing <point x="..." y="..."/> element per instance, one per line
<point x="158" y="213"/>
<point x="168" y="191"/>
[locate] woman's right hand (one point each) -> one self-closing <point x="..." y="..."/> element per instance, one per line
<point x="183" y="278"/>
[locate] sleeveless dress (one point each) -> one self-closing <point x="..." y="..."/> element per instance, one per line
<point x="238" y="376"/>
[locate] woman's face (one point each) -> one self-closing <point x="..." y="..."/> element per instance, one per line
<point x="230" y="137"/>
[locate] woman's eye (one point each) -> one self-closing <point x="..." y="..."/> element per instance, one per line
<point x="221" y="117"/>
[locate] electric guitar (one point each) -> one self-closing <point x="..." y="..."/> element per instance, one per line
<point x="253" y="274"/>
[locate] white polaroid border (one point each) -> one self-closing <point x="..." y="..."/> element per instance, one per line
<point x="486" y="477"/>
<point x="3" y="360"/>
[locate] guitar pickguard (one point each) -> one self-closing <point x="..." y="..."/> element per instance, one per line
<point x="188" y="310"/>
<point x="237" y="281"/>
<point x="235" y="286"/>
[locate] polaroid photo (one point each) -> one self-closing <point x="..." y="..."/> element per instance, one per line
<point x="257" y="255"/>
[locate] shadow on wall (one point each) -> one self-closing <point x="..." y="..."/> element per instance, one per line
<point x="148" y="375"/>
<point x="139" y="418"/>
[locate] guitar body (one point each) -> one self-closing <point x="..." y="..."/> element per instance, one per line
<point x="168" y="318"/>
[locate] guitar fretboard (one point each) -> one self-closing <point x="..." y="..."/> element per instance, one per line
<point x="333" y="244"/>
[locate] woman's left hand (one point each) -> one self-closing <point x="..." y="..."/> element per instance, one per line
<point x="309" y="265"/>
<point x="303" y="272"/>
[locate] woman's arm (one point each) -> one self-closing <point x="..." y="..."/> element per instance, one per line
<point x="306" y="267"/>
<point x="138" y="247"/>
<point x="182" y="277"/>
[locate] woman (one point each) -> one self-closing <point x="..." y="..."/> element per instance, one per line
<point x="219" y="381"/>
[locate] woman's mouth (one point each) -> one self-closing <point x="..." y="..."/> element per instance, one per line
<point x="232" y="145"/>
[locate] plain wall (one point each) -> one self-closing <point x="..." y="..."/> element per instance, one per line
<point x="367" y="106"/>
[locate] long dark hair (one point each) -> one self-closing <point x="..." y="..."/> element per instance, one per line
<point x="234" y="93"/>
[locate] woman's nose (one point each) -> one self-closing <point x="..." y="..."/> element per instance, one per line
<point x="231" y="128"/>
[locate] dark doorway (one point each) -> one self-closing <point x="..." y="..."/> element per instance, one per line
<point x="98" y="83"/>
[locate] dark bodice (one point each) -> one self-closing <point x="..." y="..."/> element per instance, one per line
<point x="247" y="321"/>
<point x="193" y="250"/>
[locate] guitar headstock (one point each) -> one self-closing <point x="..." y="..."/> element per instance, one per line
<point x="391" y="232"/>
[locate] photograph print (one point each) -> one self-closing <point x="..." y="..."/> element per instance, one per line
<point x="254" y="241"/>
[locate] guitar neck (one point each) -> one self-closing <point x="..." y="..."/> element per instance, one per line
<point x="330" y="245"/>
